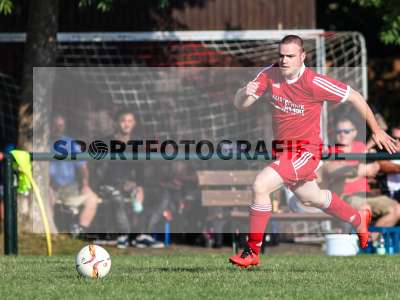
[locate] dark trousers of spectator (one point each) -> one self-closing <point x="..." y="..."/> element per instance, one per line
<point x="162" y="200"/>
<point x="117" y="212"/>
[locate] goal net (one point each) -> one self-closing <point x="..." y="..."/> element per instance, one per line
<point x="340" y="54"/>
<point x="110" y="71"/>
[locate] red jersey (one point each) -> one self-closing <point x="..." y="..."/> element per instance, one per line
<point x="296" y="104"/>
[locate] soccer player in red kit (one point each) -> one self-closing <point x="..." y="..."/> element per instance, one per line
<point x="297" y="95"/>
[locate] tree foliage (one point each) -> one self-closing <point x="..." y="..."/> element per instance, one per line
<point x="6" y="7"/>
<point x="390" y="12"/>
<point x="102" y="5"/>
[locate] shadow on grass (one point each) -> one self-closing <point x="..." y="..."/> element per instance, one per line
<point x="197" y="269"/>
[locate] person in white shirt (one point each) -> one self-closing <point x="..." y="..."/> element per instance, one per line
<point x="392" y="169"/>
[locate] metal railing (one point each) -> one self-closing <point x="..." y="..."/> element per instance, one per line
<point x="10" y="181"/>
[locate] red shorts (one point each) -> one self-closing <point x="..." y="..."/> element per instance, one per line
<point x="296" y="167"/>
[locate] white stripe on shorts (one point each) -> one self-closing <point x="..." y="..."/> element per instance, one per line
<point x="304" y="158"/>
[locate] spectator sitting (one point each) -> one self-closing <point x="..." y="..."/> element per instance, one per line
<point x="69" y="182"/>
<point x="120" y="183"/>
<point x="172" y="193"/>
<point x="391" y="170"/>
<point x="355" y="188"/>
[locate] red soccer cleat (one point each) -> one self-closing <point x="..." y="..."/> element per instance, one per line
<point x="362" y="230"/>
<point x="245" y="259"/>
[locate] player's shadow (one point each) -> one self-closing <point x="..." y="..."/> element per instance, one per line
<point x="197" y="269"/>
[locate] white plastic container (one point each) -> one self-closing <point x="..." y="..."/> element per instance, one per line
<point x="341" y="244"/>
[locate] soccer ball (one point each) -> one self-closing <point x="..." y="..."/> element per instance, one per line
<point x="93" y="261"/>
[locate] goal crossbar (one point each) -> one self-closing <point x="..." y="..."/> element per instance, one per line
<point x="204" y="35"/>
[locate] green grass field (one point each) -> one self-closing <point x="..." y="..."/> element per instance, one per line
<point x="182" y="274"/>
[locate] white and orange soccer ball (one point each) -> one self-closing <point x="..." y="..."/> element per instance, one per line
<point x="93" y="261"/>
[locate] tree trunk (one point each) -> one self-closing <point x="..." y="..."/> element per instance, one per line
<point x="40" y="51"/>
<point x="35" y="108"/>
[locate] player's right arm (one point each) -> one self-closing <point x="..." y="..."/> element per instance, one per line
<point x="244" y="97"/>
<point x="249" y="94"/>
<point x="329" y="89"/>
<point x="380" y="137"/>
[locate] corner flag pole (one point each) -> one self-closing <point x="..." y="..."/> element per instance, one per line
<point x="10" y="208"/>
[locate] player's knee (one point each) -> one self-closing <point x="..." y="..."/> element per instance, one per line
<point x="315" y="200"/>
<point x="307" y="203"/>
<point x="310" y="203"/>
<point x="260" y="186"/>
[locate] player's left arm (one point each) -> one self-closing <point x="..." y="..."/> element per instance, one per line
<point x="381" y="138"/>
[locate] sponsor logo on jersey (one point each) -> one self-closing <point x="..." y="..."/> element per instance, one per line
<point x="287" y="106"/>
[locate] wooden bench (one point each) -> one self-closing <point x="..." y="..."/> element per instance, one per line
<point x="233" y="189"/>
